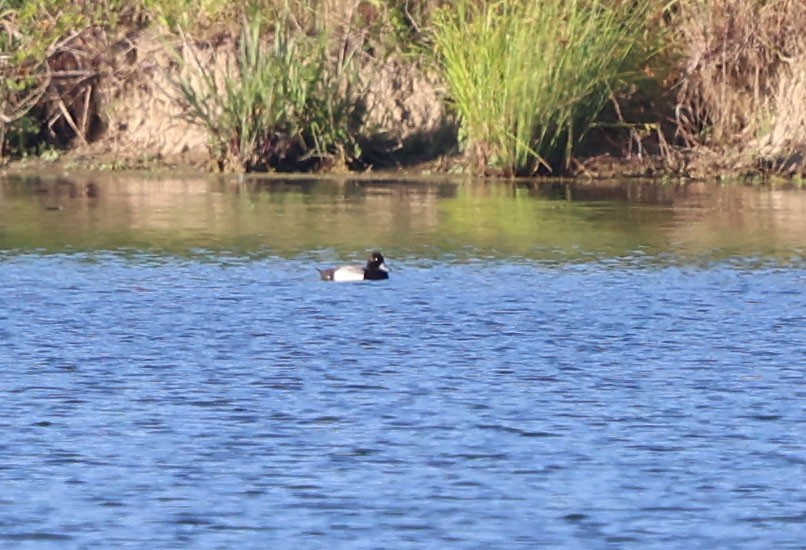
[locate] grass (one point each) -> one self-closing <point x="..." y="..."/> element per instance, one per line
<point x="528" y="78"/>
<point x="743" y="88"/>
<point x="189" y="14"/>
<point x="287" y="103"/>
<point x="291" y="100"/>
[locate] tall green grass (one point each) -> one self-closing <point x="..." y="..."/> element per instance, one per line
<point x="288" y="102"/>
<point x="528" y="78"/>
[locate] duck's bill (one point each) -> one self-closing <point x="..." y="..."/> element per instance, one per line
<point x="384" y="267"/>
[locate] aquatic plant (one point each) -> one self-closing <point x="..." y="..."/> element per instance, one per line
<point x="528" y="78"/>
<point x="287" y="102"/>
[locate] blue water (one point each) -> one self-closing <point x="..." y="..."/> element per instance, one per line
<point x="218" y="401"/>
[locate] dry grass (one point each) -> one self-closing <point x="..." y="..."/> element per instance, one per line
<point x="743" y="87"/>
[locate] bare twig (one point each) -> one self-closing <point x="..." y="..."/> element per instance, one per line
<point x="65" y="114"/>
<point x="85" y="113"/>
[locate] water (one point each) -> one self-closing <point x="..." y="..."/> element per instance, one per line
<point x="595" y="373"/>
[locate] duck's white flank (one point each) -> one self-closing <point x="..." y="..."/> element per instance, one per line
<point x="348" y="274"/>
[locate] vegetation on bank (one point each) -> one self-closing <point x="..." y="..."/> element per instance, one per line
<point x="283" y="104"/>
<point x="529" y="79"/>
<point x="534" y="85"/>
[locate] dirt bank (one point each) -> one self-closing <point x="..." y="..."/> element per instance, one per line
<point x="144" y="122"/>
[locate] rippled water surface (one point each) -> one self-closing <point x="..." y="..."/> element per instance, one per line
<point x="546" y="367"/>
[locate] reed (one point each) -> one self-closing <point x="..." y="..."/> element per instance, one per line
<point x="287" y="103"/>
<point x="528" y="78"/>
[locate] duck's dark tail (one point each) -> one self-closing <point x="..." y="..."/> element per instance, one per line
<point x="325" y="274"/>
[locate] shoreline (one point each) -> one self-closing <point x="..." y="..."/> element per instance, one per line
<point x="597" y="171"/>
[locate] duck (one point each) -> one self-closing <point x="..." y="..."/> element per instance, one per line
<point x="375" y="270"/>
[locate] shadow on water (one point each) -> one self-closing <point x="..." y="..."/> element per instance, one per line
<point x="423" y="218"/>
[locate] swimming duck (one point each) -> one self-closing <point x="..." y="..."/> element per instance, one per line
<point x="375" y="270"/>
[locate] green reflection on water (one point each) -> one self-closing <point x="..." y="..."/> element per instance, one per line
<point x="419" y="219"/>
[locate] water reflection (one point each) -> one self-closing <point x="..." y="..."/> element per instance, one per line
<point x="421" y="218"/>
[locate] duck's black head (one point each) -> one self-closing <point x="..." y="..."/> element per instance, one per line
<point x="376" y="267"/>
